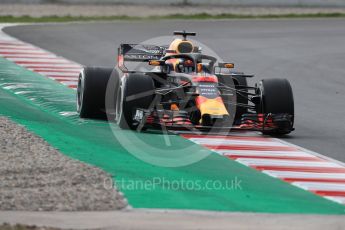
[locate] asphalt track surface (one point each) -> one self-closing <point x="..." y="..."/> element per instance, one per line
<point x="308" y="52"/>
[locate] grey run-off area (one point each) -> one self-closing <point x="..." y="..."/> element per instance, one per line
<point x="36" y="177"/>
<point x="105" y="10"/>
<point x="317" y="3"/>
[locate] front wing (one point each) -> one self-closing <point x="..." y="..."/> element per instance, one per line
<point x="179" y="120"/>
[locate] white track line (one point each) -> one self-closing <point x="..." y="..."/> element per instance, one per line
<point x="73" y="79"/>
<point x="61" y="74"/>
<point x="25" y="55"/>
<point x="271" y="162"/>
<point x="216" y="142"/>
<point x="304" y="175"/>
<point x="325" y="186"/>
<point x="338" y="199"/>
<point x="56" y="60"/>
<point x="34" y="52"/>
<point x="263" y="153"/>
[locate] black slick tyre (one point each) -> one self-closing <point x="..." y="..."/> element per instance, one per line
<point x="136" y="91"/>
<point x="92" y="85"/>
<point x="276" y="98"/>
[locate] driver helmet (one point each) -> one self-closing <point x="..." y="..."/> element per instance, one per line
<point x="184" y="66"/>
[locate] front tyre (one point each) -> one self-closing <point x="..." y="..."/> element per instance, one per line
<point x="136" y="91"/>
<point x="277" y="98"/>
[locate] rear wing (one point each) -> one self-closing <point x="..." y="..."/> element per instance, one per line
<point x="139" y="53"/>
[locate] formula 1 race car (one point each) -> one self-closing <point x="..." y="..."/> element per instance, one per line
<point x="181" y="88"/>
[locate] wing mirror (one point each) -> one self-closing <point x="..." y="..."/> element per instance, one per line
<point x="223" y="65"/>
<point x="156" y="62"/>
<point x="226" y="65"/>
<point x="164" y="67"/>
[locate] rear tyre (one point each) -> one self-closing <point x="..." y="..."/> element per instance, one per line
<point x="92" y="84"/>
<point x="111" y="94"/>
<point x="136" y="91"/>
<point x="276" y="98"/>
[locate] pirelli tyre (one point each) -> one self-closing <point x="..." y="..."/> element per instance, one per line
<point x="277" y="98"/>
<point x="91" y="90"/>
<point x="136" y="91"/>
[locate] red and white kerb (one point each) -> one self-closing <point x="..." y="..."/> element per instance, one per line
<point x="295" y="165"/>
<point x="41" y="61"/>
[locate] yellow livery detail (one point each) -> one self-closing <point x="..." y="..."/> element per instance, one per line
<point x="212" y="107"/>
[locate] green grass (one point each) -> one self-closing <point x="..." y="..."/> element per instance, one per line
<point x="201" y="16"/>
